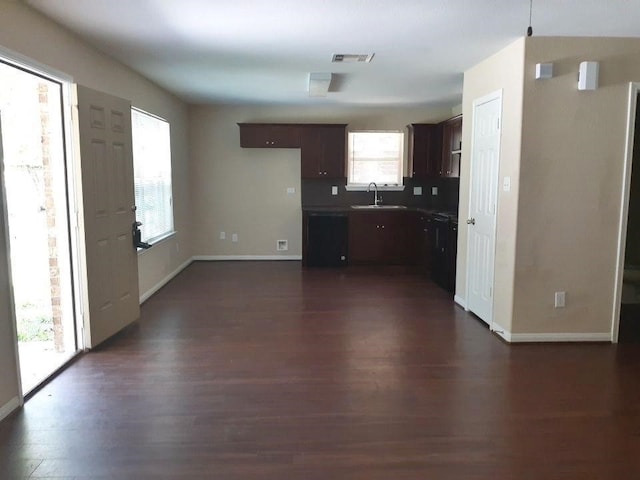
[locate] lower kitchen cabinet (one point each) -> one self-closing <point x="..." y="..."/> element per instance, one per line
<point x="438" y="242"/>
<point x="452" y="254"/>
<point x="381" y="237"/>
<point x="443" y="236"/>
<point x="325" y="239"/>
<point x="423" y="241"/>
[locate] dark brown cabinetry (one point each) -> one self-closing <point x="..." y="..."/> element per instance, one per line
<point x="425" y="149"/>
<point x="443" y="235"/>
<point x="452" y="254"/>
<point x="451" y="147"/>
<point x="323" y="151"/>
<point x="435" y="149"/>
<point x="423" y="240"/>
<point x="381" y="237"/>
<point x="269" y="135"/>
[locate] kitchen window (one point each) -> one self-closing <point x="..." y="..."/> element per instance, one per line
<point x="152" y="175"/>
<point x="375" y="156"/>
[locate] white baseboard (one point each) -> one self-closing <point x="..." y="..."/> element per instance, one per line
<point x="460" y="301"/>
<point x="560" y="337"/>
<point x="216" y="258"/>
<point x="9" y="407"/>
<point x="548" y="337"/>
<point x="146" y="295"/>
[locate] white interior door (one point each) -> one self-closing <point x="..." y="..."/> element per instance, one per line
<point x="109" y="212"/>
<point x="485" y="149"/>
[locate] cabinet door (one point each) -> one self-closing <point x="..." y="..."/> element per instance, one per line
<point x="452" y="146"/>
<point x="452" y="253"/>
<point x="269" y="135"/>
<point x="334" y="152"/>
<point x="439" y="233"/>
<point x="423" y="242"/>
<point x="366" y="243"/>
<point x="425" y="149"/>
<point x="323" y="151"/>
<point x="381" y="237"/>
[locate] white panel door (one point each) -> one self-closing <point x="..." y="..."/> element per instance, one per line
<point x="109" y="212"/>
<point x="482" y="205"/>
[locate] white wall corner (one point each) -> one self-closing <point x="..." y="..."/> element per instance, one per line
<point x="502" y="332"/>
<point x="146" y="295"/>
<point x="9" y="407"/>
<point x="460" y="301"/>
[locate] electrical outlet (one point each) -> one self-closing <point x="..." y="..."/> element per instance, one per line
<point x="291" y="190"/>
<point x="234" y="237"/>
<point x="282" y="245"/>
<point x="434" y="191"/>
<point x="417" y="190"/>
<point x="334" y="190"/>
<point x="223" y="236"/>
<point x="560" y="298"/>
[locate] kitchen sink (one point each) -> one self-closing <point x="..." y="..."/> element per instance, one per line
<point x="378" y="207"/>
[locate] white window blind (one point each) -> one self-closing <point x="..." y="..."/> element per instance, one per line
<point x="152" y="175"/>
<point x="375" y="157"/>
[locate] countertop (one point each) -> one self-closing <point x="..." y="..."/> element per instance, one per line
<point x="311" y="209"/>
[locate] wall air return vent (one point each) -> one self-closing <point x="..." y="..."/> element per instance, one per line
<point x="352" y="58"/>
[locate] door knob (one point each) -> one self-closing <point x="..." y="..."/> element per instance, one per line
<point x="471" y="221"/>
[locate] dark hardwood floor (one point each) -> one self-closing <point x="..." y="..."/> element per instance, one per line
<point x="268" y="371"/>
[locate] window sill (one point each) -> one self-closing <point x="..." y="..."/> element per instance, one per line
<point x="381" y="188"/>
<point x="156" y="241"/>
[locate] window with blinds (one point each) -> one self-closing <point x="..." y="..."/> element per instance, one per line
<point x="375" y="157"/>
<point x="152" y="175"/>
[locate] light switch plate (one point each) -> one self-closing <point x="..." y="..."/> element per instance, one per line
<point x="434" y="190"/>
<point x="417" y="190"/>
<point x="506" y="184"/>
<point x="560" y="299"/>
<point x="334" y="190"/>
<point x="234" y="237"/>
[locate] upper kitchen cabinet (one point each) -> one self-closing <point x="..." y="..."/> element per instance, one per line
<point x="451" y="147"/>
<point x="269" y="135"/>
<point x="323" y="151"/>
<point x="425" y="149"/>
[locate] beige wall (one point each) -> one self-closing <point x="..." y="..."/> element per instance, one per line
<point x="571" y="184"/>
<point x="243" y="191"/>
<point x="564" y="152"/>
<point x="500" y="72"/>
<point x="31" y="35"/>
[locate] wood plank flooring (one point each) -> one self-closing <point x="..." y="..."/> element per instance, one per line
<point x="268" y="371"/>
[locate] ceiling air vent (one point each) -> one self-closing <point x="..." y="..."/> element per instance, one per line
<point x="352" y="58"/>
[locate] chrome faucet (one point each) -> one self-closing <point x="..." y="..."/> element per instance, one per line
<point x="375" y="194"/>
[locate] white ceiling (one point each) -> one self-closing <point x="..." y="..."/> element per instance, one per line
<point x="261" y="51"/>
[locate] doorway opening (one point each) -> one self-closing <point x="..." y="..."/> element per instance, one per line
<point x="629" y="296"/>
<point x="35" y="185"/>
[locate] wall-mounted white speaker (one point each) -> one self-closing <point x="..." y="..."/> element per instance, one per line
<point x="544" y="70"/>
<point x="588" y="76"/>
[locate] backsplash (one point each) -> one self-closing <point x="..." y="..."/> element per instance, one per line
<point x="317" y="193"/>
